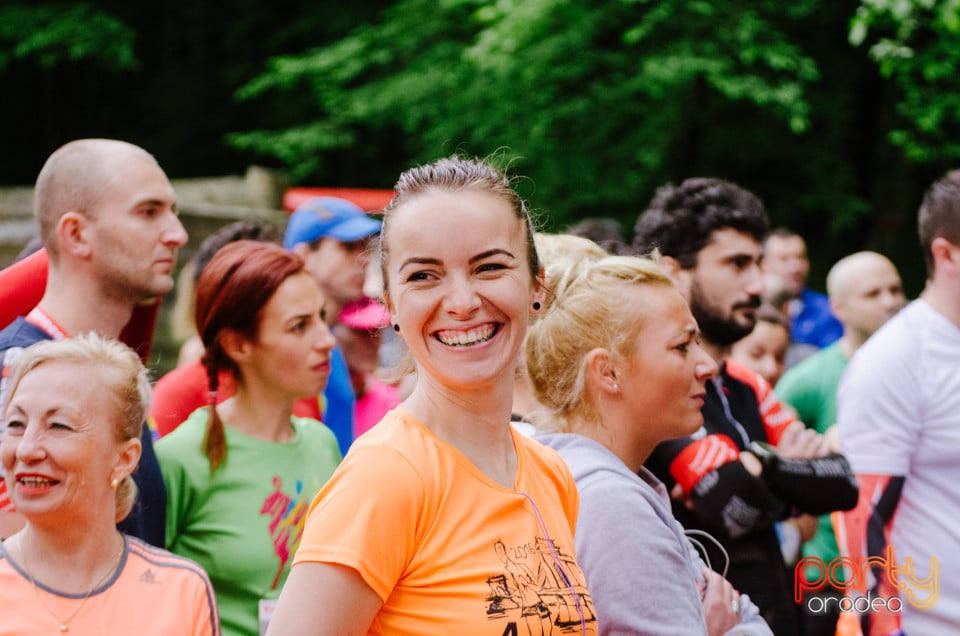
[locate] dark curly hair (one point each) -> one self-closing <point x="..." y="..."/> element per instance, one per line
<point x="680" y="219"/>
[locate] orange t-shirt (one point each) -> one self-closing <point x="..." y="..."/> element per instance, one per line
<point x="155" y="594"/>
<point x="449" y="550"/>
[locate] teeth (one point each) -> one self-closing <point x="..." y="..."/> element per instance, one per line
<point x="466" y="338"/>
<point x="36" y="482"/>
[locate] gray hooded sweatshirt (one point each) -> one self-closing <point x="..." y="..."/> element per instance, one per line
<point x="642" y="572"/>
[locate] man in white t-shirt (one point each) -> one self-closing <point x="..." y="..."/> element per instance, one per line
<point x="898" y="414"/>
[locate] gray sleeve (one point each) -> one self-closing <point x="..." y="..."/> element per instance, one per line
<point x="637" y="569"/>
<point x="751" y="623"/>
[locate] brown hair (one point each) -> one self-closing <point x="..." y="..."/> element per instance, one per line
<point x="456" y="174"/>
<point x="230" y="295"/>
<point x="939" y="215"/>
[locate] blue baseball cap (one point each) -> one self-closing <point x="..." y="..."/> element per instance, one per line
<point x="328" y="216"/>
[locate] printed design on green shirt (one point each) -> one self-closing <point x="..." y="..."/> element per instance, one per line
<point x="287" y="516"/>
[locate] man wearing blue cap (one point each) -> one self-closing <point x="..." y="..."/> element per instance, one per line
<point x="333" y="237"/>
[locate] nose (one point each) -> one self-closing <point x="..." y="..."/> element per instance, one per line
<point x="768" y="368"/>
<point x="892" y="301"/>
<point x="323" y="339"/>
<point x="461" y="299"/>
<point x="706" y="366"/>
<point x="753" y="280"/>
<point x="29" y="447"/>
<point x="174" y="234"/>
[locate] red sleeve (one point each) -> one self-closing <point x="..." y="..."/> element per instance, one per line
<point x="775" y="415"/>
<point x="21" y="286"/>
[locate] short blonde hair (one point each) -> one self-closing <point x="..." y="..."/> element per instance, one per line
<point x="586" y="313"/>
<point x="121" y="372"/>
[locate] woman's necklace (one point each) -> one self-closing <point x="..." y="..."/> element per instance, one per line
<point x="65" y="621"/>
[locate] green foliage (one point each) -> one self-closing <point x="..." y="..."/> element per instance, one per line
<point x="588" y="99"/>
<point x="53" y="35"/>
<point x="916" y="44"/>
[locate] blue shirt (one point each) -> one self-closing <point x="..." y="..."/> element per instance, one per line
<point x="814" y="324"/>
<point x="340" y="400"/>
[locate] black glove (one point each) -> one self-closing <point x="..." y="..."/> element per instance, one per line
<point x="816" y="486"/>
<point x="731" y="501"/>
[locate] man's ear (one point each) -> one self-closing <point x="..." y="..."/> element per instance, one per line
<point x="301" y="250"/>
<point x="946" y="255"/>
<point x="74" y="234"/>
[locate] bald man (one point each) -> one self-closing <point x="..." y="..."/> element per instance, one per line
<point x="107" y="217"/>
<point x="865" y="291"/>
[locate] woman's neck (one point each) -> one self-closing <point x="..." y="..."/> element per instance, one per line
<point x="476" y="423"/>
<point x="67" y="561"/>
<point x="622" y="434"/>
<point x="260" y="414"/>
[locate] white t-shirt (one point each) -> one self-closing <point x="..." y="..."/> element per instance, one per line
<point x="898" y="411"/>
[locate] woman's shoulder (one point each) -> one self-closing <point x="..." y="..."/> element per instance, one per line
<point x="150" y="561"/>
<point x="313" y="431"/>
<point x="192" y="429"/>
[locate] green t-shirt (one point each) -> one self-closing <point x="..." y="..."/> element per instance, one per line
<point x="811" y="389"/>
<point x="244" y="522"/>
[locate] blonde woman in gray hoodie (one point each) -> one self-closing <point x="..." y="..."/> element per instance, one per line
<point x="616" y="360"/>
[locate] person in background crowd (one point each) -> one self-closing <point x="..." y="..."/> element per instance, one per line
<point x="241" y="473"/>
<point x="333" y="237"/>
<point x="442" y="519"/>
<point x="865" y="291"/>
<point x="811" y="321"/>
<point x="184" y="330"/>
<point x="616" y="358"/>
<point x="69" y="451"/>
<point x="751" y="462"/>
<point x="897" y="412"/>
<point x="604" y="231"/>
<point x="184" y="389"/>
<point x="777" y="294"/>
<point x="764" y="350"/>
<point x="108" y="219"/>
<point x="358" y="333"/>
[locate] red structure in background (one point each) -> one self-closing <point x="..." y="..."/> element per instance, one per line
<point x="368" y="199"/>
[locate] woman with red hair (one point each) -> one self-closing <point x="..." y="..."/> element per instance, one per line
<point x="241" y="473"/>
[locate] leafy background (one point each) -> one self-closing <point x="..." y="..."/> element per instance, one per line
<point x="838" y="113"/>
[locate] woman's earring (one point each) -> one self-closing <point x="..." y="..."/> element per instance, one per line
<point x="115" y="483"/>
<point x="536" y="305"/>
<point x="396" y="327"/>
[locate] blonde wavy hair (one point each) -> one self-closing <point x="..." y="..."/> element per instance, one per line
<point x="585" y="312"/>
